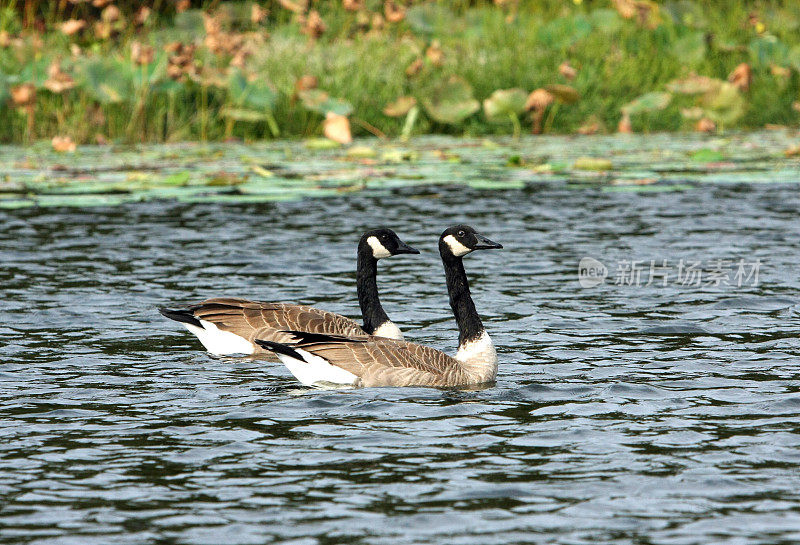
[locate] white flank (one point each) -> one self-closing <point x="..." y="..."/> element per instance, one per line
<point x="218" y="342"/>
<point x="316" y="370"/>
<point x="378" y="250"/>
<point x="455" y="246"/>
<point x="388" y="330"/>
<point x="478" y="353"/>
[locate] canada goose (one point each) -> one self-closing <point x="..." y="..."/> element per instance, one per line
<point x="337" y="360"/>
<point x="228" y="325"/>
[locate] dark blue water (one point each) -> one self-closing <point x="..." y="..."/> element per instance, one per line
<point x="621" y="414"/>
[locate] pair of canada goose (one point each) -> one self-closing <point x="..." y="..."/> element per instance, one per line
<point x="325" y="349"/>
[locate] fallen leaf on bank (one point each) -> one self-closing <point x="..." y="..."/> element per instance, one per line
<point x="592" y="163"/>
<point x="394" y="13"/>
<point x="63" y="144"/>
<point x="741" y="77"/>
<point x="400" y="107"/>
<point x="142" y="15"/>
<point x="23" y="95"/>
<point x="434" y="53"/>
<point x="5" y="39"/>
<point x="313" y="25"/>
<point x="306" y="82"/>
<point x="353" y="5"/>
<point x="142" y="54"/>
<point x="796" y="106"/>
<point x="72" y="26"/>
<point x="58" y="81"/>
<point x="110" y="14"/>
<point x="296" y="7"/>
<point x="624" y="126"/>
<point x="258" y="14"/>
<point x="337" y="128"/>
<point x="414" y="68"/>
<point x="567" y="71"/>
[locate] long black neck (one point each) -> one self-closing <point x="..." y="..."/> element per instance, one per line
<point x="367" y="286"/>
<point x="469" y="323"/>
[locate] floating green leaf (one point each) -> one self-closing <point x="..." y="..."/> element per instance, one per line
<point x="592" y="163"/>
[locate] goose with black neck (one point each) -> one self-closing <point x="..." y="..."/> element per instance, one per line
<point x="230" y="325"/>
<point x="323" y="360"/>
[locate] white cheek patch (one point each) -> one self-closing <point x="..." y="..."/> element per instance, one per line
<point x="378" y="249"/>
<point x="455" y="246"/>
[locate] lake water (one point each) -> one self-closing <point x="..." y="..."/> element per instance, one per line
<point x="660" y="413"/>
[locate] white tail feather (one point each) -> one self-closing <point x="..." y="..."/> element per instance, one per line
<point x="316" y="370"/>
<point x="218" y="342"/>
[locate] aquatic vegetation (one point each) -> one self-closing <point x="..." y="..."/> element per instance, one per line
<point x="113" y="71"/>
<point x="57" y="174"/>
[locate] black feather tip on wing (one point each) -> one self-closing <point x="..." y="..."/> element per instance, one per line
<point x="180" y="315"/>
<point x="279" y="348"/>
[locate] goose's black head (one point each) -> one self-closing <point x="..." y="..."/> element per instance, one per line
<point x="460" y="240"/>
<point x="384" y="243"/>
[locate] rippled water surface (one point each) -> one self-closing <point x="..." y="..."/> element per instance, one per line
<point x="649" y="414"/>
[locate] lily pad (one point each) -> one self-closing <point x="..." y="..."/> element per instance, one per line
<point x="400" y="107"/>
<point x="451" y="101"/>
<point x="592" y="163"/>
<point x="321" y="102"/>
<point x="649" y="102"/>
<point x="563" y="93"/>
<point x="504" y="103"/>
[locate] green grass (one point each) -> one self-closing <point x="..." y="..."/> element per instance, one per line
<point x="617" y="60"/>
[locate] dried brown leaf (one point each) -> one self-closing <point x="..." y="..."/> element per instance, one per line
<point x="296" y="7"/>
<point x="353" y="5"/>
<point x="538" y="100"/>
<point x="705" y="125"/>
<point x="435" y="54"/>
<point x="63" y="144"/>
<point x="111" y="14"/>
<point x="624" y="126"/>
<point x="394" y="13"/>
<point x="337" y="128"/>
<point x="567" y="71"/>
<point x="23" y="95"/>
<point x="142" y="15"/>
<point x="72" y="26"/>
<point x="258" y="14"/>
<point x="142" y="54"/>
<point x="741" y="77"/>
<point x="414" y="68"/>
<point x="313" y="25"/>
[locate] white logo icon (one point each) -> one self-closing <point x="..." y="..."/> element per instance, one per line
<point x="591" y="272"/>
